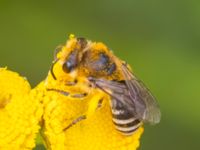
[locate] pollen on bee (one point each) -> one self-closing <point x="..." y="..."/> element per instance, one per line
<point x="71" y="36"/>
<point x="73" y="74"/>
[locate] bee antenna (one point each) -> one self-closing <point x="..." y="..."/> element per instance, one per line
<point x="51" y="69"/>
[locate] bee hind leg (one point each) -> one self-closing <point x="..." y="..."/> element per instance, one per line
<point x="94" y="104"/>
<point x="80" y="118"/>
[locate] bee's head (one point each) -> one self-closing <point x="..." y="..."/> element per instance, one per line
<point x="87" y="58"/>
<point x="74" y="56"/>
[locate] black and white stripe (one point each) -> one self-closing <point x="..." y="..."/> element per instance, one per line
<point x="127" y="127"/>
<point x="124" y="120"/>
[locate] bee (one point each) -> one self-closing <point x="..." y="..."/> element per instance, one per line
<point x="131" y="102"/>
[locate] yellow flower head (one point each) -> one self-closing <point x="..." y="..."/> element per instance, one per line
<point x="19" y="112"/>
<point x="90" y="100"/>
<point x="95" y="133"/>
<point x="77" y="115"/>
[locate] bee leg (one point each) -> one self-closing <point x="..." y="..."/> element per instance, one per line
<point x="59" y="91"/>
<point x="75" y="122"/>
<point x="100" y="103"/>
<point x="94" y="104"/>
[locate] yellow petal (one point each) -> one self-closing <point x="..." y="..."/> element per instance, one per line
<point x="20" y="112"/>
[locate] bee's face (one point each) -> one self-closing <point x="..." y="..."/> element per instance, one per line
<point x="88" y="59"/>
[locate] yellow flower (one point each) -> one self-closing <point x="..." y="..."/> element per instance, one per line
<point x="57" y="102"/>
<point x="20" y="112"/>
<point x="94" y="133"/>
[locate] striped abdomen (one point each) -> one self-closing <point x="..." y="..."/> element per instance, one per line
<point x="124" y="120"/>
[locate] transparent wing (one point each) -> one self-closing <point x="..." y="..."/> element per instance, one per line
<point x="117" y="90"/>
<point x="146" y="106"/>
<point x="133" y="94"/>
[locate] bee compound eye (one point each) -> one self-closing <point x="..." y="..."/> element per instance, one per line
<point x="104" y="63"/>
<point x="101" y="63"/>
<point x="111" y="69"/>
<point x="67" y="66"/>
<point x="71" y="62"/>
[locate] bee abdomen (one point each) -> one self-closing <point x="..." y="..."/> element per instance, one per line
<point x="125" y="122"/>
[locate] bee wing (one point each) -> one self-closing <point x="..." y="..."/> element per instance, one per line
<point x="146" y="107"/>
<point x="133" y="94"/>
<point x="117" y="90"/>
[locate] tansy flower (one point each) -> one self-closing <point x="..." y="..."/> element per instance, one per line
<point x="94" y="133"/>
<point x="72" y="110"/>
<point x="20" y="112"/>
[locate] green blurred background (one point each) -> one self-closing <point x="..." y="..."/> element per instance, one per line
<point x="160" y="39"/>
